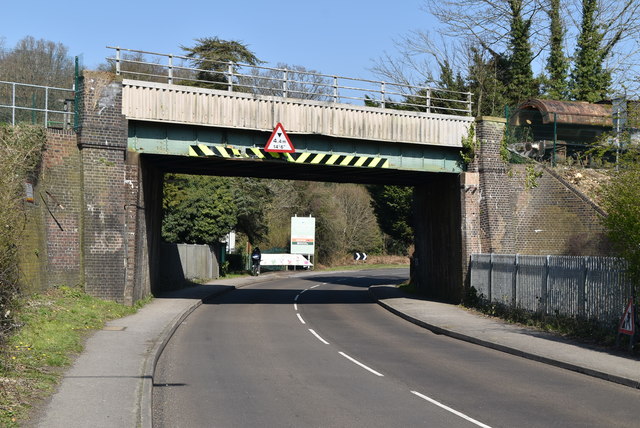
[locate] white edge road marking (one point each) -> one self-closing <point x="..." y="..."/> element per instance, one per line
<point x="318" y="337"/>
<point x="295" y="306"/>
<point x="360" y="364"/>
<point x="300" y="318"/>
<point x="296" y="298"/>
<point x="317" y="285"/>
<point x="449" y="409"/>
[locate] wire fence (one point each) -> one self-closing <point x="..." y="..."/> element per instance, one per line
<point x="587" y="287"/>
<point x="285" y="82"/>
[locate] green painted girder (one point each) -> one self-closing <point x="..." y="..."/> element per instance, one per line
<point x="173" y="139"/>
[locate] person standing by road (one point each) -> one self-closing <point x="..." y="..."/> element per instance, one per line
<point x="256" y="256"/>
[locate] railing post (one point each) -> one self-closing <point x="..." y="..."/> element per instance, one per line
<point x="230" y="77"/>
<point x="13" y="104"/>
<point x="428" y="100"/>
<point x="469" y="104"/>
<point x="46" y="107"/>
<point x="118" y="61"/>
<point x="170" y="80"/>
<point x="514" y="281"/>
<point x="544" y="292"/>
<point x="582" y="291"/>
<point x="382" y="91"/>
<point x="285" y="77"/>
<point x="489" y="286"/>
<point x="335" y="89"/>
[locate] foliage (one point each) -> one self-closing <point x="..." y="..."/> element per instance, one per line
<point x="37" y="62"/>
<point x="469" y="146"/>
<point x="520" y="83"/>
<point x="345" y="220"/>
<point x="213" y="56"/>
<point x="557" y="63"/>
<point x="393" y="208"/>
<point x="139" y="67"/>
<point x="251" y="197"/>
<point x="590" y="80"/>
<point x="53" y="327"/>
<point x="20" y="155"/>
<point x="531" y="177"/>
<point x="301" y="83"/>
<point x="197" y="209"/>
<point x="34" y="62"/>
<point x="620" y="198"/>
<point x="487" y="74"/>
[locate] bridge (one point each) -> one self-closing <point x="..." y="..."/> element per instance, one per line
<point x="328" y="120"/>
<point x="101" y="186"/>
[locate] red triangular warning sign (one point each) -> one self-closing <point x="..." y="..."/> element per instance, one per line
<point x="627" y="323"/>
<point x="279" y="141"/>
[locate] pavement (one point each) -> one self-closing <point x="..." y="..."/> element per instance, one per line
<point x="110" y="383"/>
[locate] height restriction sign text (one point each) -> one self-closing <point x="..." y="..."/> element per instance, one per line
<point x="279" y="141"/>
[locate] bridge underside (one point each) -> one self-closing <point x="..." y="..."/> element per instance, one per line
<point x="232" y="152"/>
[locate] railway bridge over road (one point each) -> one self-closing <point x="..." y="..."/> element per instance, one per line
<point x="101" y="186"/>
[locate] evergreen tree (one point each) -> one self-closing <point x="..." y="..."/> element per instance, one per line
<point x="212" y="57"/>
<point x="521" y="84"/>
<point x="393" y="207"/>
<point x="557" y="63"/>
<point x="590" y="80"/>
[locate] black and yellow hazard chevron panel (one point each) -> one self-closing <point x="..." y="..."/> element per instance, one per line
<point x="256" y="153"/>
<point x="221" y="151"/>
<point x="203" y="150"/>
<point x="321" y="158"/>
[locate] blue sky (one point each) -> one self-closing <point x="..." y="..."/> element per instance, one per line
<point x="342" y="37"/>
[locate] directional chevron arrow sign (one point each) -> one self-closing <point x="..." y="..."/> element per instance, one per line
<point x="360" y="256"/>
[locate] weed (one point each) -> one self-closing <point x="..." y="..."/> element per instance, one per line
<point x="50" y="329"/>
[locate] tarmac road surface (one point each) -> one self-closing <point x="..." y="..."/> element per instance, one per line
<point x="318" y="351"/>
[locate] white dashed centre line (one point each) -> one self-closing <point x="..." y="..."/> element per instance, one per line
<point x="318" y="337"/>
<point x="300" y="318"/>
<point x="360" y="364"/>
<point x="449" y="409"/>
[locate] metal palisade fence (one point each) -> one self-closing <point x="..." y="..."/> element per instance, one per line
<point x="586" y="287"/>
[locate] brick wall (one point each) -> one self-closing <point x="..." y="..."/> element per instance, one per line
<point x="51" y="248"/>
<point x="552" y="218"/>
<point x="62" y="197"/>
<point x="103" y="145"/>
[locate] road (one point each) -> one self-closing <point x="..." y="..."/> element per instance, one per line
<point x="317" y="351"/>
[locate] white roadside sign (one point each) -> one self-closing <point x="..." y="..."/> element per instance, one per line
<point x="303" y="235"/>
<point x="284" y="260"/>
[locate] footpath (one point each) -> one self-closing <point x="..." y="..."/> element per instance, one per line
<point x="110" y="383"/>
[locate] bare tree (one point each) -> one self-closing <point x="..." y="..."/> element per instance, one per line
<point x="37" y="62"/>
<point x="293" y="81"/>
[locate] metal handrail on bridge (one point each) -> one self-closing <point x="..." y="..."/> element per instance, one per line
<point x="288" y="83"/>
<point x="15" y="92"/>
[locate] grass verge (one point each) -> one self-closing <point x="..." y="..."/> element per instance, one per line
<point x="51" y="330"/>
